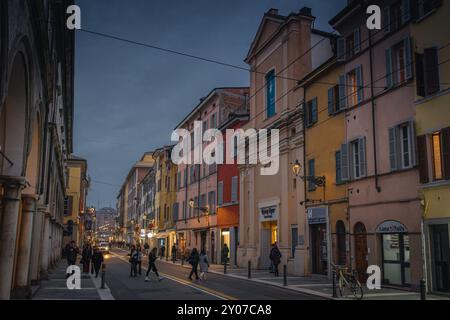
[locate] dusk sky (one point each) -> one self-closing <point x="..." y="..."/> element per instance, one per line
<point x="129" y="98"/>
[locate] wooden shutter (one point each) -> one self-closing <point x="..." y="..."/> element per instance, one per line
<point x="359" y="83"/>
<point x="234" y="189"/>
<point x="387" y="19"/>
<point x="345" y="162"/>
<point x="341" y="56"/>
<point x="406" y="11"/>
<point x="420" y="77"/>
<point x="220" y="193"/>
<point x="342" y="97"/>
<point x="412" y="134"/>
<point x="423" y="158"/>
<point x="446" y="152"/>
<point x="431" y="70"/>
<point x="389" y="69"/>
<point x="330" y="101"/>
<point x="362" y="157"/>
<point x="311" y="174"/>
<point x="393" y="148"/>
<point x="338" y="167"/>
<point x="357" y="40"/>
<point x="314" y="112"/>
<point x="408" y="58"/>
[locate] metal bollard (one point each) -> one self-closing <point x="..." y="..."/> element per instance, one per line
<point x="103" y="276"/>
<point x="334" y="284"/>
<point x="225" y="267"/>
<point x="423" y="290"/>
<point x="285" y="275"/>
<point x="249" y="269"/>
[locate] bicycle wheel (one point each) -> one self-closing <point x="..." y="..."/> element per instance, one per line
<point x="357" y="290"/>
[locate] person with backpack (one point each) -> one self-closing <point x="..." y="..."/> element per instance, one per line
<point x="204" y="264"/>
<point x="275" y="258"/>
<point x="193" y="261"/>
<point x="152" y="265"/>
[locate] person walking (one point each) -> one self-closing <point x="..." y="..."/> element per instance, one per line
<point x="225" y="252"/>
<point x="134" y="261"/>
<point x="193" y="261"/>
<point x="86" y="257"/>
<point x="163" y="251"/>
<point x="204" y="264"/>
<point x="146" y="248"/>
<point x="71" y="253"/>
<point x="275" y="258"/>
<point x="174" y="253"/>
<point x="97" y="260"/>
<point x="152" y="265"/>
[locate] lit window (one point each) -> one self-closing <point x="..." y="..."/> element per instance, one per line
<point x="437" y="158"/>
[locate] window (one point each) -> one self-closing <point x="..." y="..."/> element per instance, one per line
<point x="68" y="201"/>
<point x="402" y="146"/>
<point x="396" y="15"/>
<point x="213" y="121"/>
<point x="333" y="100"/>
<point x="220" y="193"/>
<point x="175" y="211"/>
<point x="311" y="174"/>
<point x="425" y="7"/>
<point x="184" y="209"/>
<point x="427" y="70"/>
<point x="353" y="160"/>
<point x="348" y="46"/>
<point x="398" y="63"/>
<point x="203" y="202"/>
<point x="352" y="89"/>
<point x="234" y="189"/>
<point x="311" y="112"/>
<point x="270" y="94"/>
<point x="437" y="157"/>
<point x="212" y="202"/>
<point x="205" y="125"/>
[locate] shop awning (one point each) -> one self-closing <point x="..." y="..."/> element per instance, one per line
<point x="162" y="235"/>
<point x="391" y="226"/>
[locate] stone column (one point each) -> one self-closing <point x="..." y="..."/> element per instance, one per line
<point x="36" y="241"/>
<point x="45" y="246"/>
<point x="22" y="289"/>
<point x="13" y="187"/>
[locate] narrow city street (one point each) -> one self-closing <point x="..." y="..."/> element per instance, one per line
<point x="176" y="285"/>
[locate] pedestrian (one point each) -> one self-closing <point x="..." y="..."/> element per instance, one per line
<point x="174" y="253"/>
<point x="153" y="255"/>
<point x="86" y="257"/>
<point x="71" y="253"/>
<point x="162" y="251"/>
<point x="225" y="252"/>
<point x="204" y="264"/>
<point x="139" y="259"/>
<point x="97" y="260"/>
<point x="146" y="247"/>
<point x="193" y="261"/>
<point x="133" y="261"/>
<point x="275" y="258"/>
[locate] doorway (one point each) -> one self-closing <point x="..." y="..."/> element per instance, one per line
<point x="319" y="248"/>
<point x="268" y="237"/>
<point x="441" y="257"/>
<point x="396" y="259"/>
<point x="203" y="240"/>
<point x="361" y="262"/>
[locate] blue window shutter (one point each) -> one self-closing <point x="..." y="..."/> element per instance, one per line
<point x="342" y="97"/>
<point x="393" y="148"/>
<point x="362" y="157"/>
<point x="389" y="71"/>
<point x="345" y="173"/>
<point x="270" y="87"/>
<point x="406" y="11"/>
<point x="234" y="189"/>
<point x="311" y="174"/>
<point x="357" y="40"/>
<point x="387" y="19"/>
<point x="314" y="110"/>
<point x="338" y="167"/>
<point x="220" y="193"/>
<point x="360" y="84"/>
<point x="408" y="58"/>
<point x="330" y="101"/>
<point x="412" y="134"/>
<point x="341" y="56"/>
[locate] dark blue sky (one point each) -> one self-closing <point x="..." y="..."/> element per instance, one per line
<point x="129" y="98"/>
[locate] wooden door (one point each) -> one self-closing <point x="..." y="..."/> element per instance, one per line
<point x="361" y="263"/>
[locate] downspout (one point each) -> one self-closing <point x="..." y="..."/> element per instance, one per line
<point x="306" y="267"/>
<point x="372" y="101"/>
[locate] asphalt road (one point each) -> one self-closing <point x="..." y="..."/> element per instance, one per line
<point x="176" y="285"/>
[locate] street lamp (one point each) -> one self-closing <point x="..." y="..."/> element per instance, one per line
<point x="204" y="209"/>
<point x="317" y="180"/>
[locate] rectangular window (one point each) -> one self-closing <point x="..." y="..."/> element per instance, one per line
<point x="212" y="202"/>
<point x="402" y="146"/>
<point x="437" y="155"/>
<point x="398" y="63"/>
<point x="205" y="125"/>
<point x="405" y="145"/>
<point x="220" y="193"/>
<point x="358" y="158"/>
<point x="425" y="7"/>
<point x="213" y="121"/>
<point x="234" y="189"/>
<point x="270" y="94"/>
<point x="311" y="174"/>
<point x="352" y="88"/>
<point x="175" y="212"/>
<point x="333" y="100"/>
<point x="427" y="69"/>
<point x="311" y="112"/>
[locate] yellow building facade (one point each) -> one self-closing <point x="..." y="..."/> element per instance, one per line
<point x="75" y="201"/>
<point x="326" y="199"/>
<point x="432" y="54"/>
<point x="165" y="198"/>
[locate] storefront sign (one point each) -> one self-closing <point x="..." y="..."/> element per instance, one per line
<point x="317" y="215"/>
<point x="268" y="214"/>
<point x="391" y="226"/>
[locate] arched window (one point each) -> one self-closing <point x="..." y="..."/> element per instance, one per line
<point x="341" y="243"/>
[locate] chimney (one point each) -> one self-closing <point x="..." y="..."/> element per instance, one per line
<point x="306" y="11"/>
<point x="273" y="11"/>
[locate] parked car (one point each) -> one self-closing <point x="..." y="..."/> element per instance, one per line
<point x="103" y="247"/>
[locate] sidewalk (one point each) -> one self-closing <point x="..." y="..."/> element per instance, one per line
<point x="316" y="285"/>
<point x="55" y="288"/>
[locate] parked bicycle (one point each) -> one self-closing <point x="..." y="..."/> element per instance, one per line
<point x="347" y="280"/>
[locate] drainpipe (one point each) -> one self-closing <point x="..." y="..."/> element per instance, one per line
<point x="372" y="101"/>
<point x="307" y="264"/>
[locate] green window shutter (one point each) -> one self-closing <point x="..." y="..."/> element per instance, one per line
<point x="357" y="40"/>
<point x="393" y="148"/>
<point x="408" y="58"/>
<point x="406" y="11"/>
<point x="387" y="19"/>
<point x="342" y="97"/>
<point x="330" y="101"/>
<point x="362" y="157"/>
<point x="338" y="167"/>
<point x="345" y="170"/>
<point x="341" y="56"/>
<point x="220" y="193"/>
<point x="314" y="111"/>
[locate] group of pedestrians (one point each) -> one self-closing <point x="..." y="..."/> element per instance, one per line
<point x="136" y="257"/>
<point x="195" y="260"/>
<point x="91" y="257"/>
